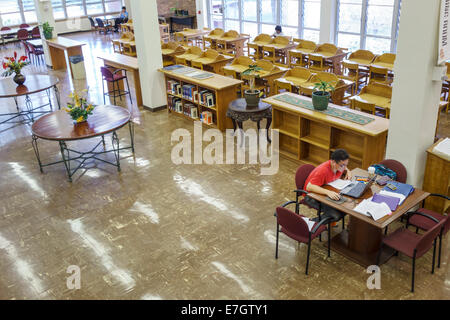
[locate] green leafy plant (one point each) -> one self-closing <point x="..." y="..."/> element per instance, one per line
<point x="323" y="86"/>
<point x="79" y="109"/>
<point x="252" y="71"/>
<point x="14" y="65"/>
<point x="47" y="29"/>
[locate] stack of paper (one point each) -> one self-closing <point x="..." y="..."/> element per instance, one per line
<point x="443" y="148"/>
<point x="373" y="209"/>
<point x="309" y="223"/>
<point x="340" y="184"/>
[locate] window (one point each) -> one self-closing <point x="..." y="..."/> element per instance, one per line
<point x="29" y="11"/>
<point x="58" y="9"/>
<point x="94" y="7"/>
<point x="10" y="12"/>
<point x="298" y="18"/>
<point x="368" y="24"/>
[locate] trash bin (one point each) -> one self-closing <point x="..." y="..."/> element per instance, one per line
<point x="77" y="65"/>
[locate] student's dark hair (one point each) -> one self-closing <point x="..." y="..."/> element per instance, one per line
<point x="124" y="8"/>
<point x="278" y="28"/>
<point x="339" y="155"/>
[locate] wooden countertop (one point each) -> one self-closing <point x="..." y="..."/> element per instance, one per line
<point x="430" y="150"/>
<point x="121" y="59"/>
<point x="374" y="128"/>
<point x="64" y="43"/>
<point x="216" y="82"/>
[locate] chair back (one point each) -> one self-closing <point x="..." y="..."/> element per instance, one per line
<point x="315" y="61"/>
<point x="229" y="73"/>
<point x="268" y="53"/>
<point x="281" y="40"/>
<point x="5" y="28"/>
<point x="243" y="60"/>
<point x="362" y="54"/>
<point x="211" y="54"/>
<point x="300" y="72"/>
<point x="195" y="50"/>
<point x="92" y="22"/>
<point x="397" y="167"/>
<point x="386" y="58"/>
<point x="378" y="74"/>
<point x="196" y="64"/>
<point x="231" y="34"/>
<point x="328" y="77"/>
<point x="106" y="73"/>
<point x="24" y="25"/>
<point x="363" y="106"/>
<point x="265" y="65"/>
<point x="217" y="32"/>
<point x="378" y="89"/>
<point x="327" y="47"/>
<point x="282" y="84"/>
<point x="100" y="22"/>
<point x="35" y="33"/>
<point x="291" y="223"/>
<point x="426" y="241"/>
<point x="350" y="70"/>
<point x="22" y="34"/>
<point x="306" y="44"/>
<point x="263" y="37"/>
<point x="302" y="174"/>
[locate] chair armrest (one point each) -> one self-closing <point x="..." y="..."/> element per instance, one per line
<point x="301" y="191"/>
<point x="119" y="70"/>
<point x="284" y="205"/>
<point x="411" y="213"/>
<point x="439" y="195"/>
<point x="321" y="222"/>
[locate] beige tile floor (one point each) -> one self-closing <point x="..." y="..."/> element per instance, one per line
<point x="163" y="231"/>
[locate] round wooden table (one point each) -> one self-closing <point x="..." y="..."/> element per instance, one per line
<point x="33" y="84"/>
<point x="59" y="126"/>
<point x="238" y="111"/>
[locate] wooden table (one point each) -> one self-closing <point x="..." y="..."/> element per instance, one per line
<point x="238" y="111"/>
<point x="35" y="43"/>
<point x="215" y="65"/>
<point x="120" y="61"/>
<point x="437" y="180"/>
<point x="59" y="126"/>
<point x="58" y="47"/>
<point x="189" y="35"/>
<point x="361" y="241"/>
<point x="334" y="59"/>
<point x="284" y="49"/>
<point x="12" y="32"/>
<point x="33" y="84"/>
<point x="237" y="42"/>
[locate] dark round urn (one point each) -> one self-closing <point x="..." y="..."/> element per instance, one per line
<point x="252" y="97"/>
<point x="320" y="100"/>
<point x="19" y="79"/>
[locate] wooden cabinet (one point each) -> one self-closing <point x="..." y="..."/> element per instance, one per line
<point x="437" y="180"/>
<point x="309" y="136"/>
<point x="224" y="91"/>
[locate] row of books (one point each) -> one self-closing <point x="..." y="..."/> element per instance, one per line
<point x="190" y="92"/>
<point x="190" y="110"/>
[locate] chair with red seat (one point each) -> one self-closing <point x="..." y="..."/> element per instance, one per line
<point x="114" y="78"/>
<point x="420" y="222"/>
<point x="35" y="33"/>
<point x="37" y="53"/>
<point x="411" y="244"/>
<point x="22" y="34"/>
<point x="24" y="25"/>
<point x="397" y="167"/>
<point x="6" y="37"/>
<point x="294" y="226"/>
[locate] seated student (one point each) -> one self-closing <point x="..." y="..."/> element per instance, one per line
<point x="277" y="32"/>
<point x="122" y="18"/>
<point x="323" y="174"/>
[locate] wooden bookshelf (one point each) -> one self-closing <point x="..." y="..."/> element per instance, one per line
<point x="224" y="91"/>
<point x="310" y="137"/>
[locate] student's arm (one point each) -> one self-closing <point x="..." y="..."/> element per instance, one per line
<point x="319" y="190"/>
<point x="347" y="175"/>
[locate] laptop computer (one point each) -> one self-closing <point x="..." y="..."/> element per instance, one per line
<point x="357" y="189"/>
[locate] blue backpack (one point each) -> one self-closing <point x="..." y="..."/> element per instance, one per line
<point x="383" y="171"/>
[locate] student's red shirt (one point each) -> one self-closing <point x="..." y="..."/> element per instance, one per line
<point x="322" y="175"/>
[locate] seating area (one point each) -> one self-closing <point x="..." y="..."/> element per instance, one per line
<point x="224" y="151"/>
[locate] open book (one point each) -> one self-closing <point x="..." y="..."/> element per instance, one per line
<point x="340" y="183"/>
<point x="373" y="209"/>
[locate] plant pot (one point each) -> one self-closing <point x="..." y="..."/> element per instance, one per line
<point x="79" y="123"/>
<point x="48" y="35"/>
<point x="320" y="100"/>
<point x="19" y="79"/>
<point x="252" y="97"/>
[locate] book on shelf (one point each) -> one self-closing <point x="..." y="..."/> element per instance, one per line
<point x="206" y="117"/>
<point x="188" y="90"/>
<point x="190" y="110"/>
<point x="206" y="98"/>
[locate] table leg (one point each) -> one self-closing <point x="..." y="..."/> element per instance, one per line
<point x="269" y="122"/>
<point x="58" y="58"/>
<point x="36" y="151"/>
<point x="131" y="125"/>
<point x="116" y="148"/>
<point x="66" y="160"/>
<point x="58" y="96"/>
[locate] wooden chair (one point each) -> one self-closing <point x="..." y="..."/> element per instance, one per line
<point x="223" y="46"/>
<point x="270" y="53"/>
<point x="361" y="56"/>
<point x="385" y="58"/>
<point x="317" y="63"/>
<point x="363" y="106"/>
<point x="210" y="38"/>
<point x="196" y="64"/>
<point x="378" y="94"/>
<point x="296" y="77"/>
<point x="181" y="61"/>
<point x="129" y="48"/>
<point x="282" y="83"/>
<point x="379" y="74"/>
<point x="351" y="72"/>
<point x="328" y="48"/>
<point x="117" y="43"/>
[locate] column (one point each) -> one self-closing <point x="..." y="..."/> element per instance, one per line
<point x="44" y="13"/>
<point x="146" y="32"/>
<point x="327" y="21"/>
<point x="415" y="95"/>
<point x="127" y="4"/>
<point x="200" y="12"/>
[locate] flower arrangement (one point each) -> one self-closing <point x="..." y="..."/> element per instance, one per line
<point x="13" y="65"/>
<point x="79" y="109"/>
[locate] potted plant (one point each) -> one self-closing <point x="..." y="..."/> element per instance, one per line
<point x="79" y="109"/>
<point x="252" y="95"/>
<point x="321" y="95"/>
<point x="47" y="30"/>
<point x="12" y="65"/>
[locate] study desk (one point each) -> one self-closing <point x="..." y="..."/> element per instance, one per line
<point x="11" y="32"/>
<point x="334" y="58"/>
<point x="120" y="61"/>
<point x="361" y="241"/>
<point x="367" y="64"/>
<point x="58" y="47"/>
<point x="283" y="49"/>
<point x="214" y="64"/>
<point x="237" y="42"/>
<point x="189" y="34"/>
